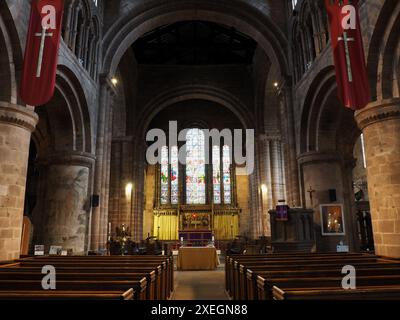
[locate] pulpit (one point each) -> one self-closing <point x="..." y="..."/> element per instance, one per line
<point x="294" y="232"/>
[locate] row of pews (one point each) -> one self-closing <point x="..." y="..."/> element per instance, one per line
<point x="303" y="276"/>
<point x="90" y="278"/>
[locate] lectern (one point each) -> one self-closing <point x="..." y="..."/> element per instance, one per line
<point x="295" y="233"/>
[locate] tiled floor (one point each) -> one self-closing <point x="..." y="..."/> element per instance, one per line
<point x="200" y="285"/>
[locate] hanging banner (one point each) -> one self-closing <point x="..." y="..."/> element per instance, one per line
<point x="41" y="53"/>
<point x="348" y="52"/>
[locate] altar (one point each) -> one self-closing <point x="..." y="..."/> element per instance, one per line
<point x="197" y="258"/>
<point x="196" y="238"/>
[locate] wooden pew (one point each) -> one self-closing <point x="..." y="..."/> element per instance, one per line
<point x="361" y="293"/>
<point x="135" y="279"/>
<point x="138" y="285"/>
<point x="82" y="261"/>
<point x="154" y="275"/>
<point x="230" y="260"/>
<point x="240" y="283"/>
<point x="75" y="271"/>
<point x="265" y="285"/>
<point x="67" y="295"/>
<point x="248" y="281"/>
<point x="158" y="282"/>
<point x="239" y="273"/>
<point x="166" y="261"/>
<point x="365" y="270"/>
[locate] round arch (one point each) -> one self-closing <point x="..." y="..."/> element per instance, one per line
<point x="68" y="122"/>
<point x="244" y="18"/>
<point x="186" y="93"/>
<point x="326" y="124"/>
<point x="384" y="53"/>
<point x="323" y="83"/>
<point x="11" y="56"/>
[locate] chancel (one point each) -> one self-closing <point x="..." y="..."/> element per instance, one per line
<point x="200" y="150"/>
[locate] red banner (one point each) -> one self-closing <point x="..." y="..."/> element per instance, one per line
<point x="348" y="51"/>
<point x="41" y="52"/>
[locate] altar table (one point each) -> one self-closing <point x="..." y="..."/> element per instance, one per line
<point x="198" y="258"/>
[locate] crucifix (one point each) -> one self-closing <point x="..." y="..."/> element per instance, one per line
<point x="346" y="40"/>
<point x="311" y="191"/>
<point x="42" y="36"/>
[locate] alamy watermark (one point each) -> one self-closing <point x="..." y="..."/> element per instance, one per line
<point x="49" y="280"/>
<point x="349" y="280"/>
<point x="239" y="141"/>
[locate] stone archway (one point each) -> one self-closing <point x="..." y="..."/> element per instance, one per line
<point x="384" y="53"/>
<point x="328" y="134"/>
<point x="64" y="167"/>
<point x="185" y="93"/>
<point x="247" y="20"/>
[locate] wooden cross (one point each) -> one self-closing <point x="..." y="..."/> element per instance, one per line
<point x="42" y="36"/>
<point x="311" y="191"/>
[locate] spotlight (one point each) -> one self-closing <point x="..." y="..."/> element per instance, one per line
<point x="128" y="190"/>
<point x="114" y="81"/>
<point x="264" y="189"/>
<point x="276" y="84"/>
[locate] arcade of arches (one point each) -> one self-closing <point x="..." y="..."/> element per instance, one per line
<point x="126" y="67"/>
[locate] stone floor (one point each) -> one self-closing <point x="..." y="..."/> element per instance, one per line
<point x="200" y="285"/>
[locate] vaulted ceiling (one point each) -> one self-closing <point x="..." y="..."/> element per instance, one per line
<point x="194" y="43"/>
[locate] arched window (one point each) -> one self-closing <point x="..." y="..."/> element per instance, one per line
<point x="226" y="167"/>
<point x="81" y="33"/>
<point x="174" y="175"/>
<point x="164" y="176"/>
<point x="195" y="167"/>
<point x="216" y="155"/>
<point x="198" y="181"/>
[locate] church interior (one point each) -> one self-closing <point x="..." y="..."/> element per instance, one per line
<point x="77" y="191"/>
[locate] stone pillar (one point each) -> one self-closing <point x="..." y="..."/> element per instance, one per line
<point x="277" y="181"/>
<point x="61" y="216"/>
<point x="102" y="168"/>
<point x="138" y="190"/>
<point x="259" y="210"/>
<point x="16" y="126"/>
<point x="106" y="174"/>
<point x="323" y="171"/>
<point x="380" y="123"/>
<point x="289" y="147"/>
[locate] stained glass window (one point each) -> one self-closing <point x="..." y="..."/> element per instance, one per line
<point x="174" y="175"/>
<point x="226" y="163"/>
<point x="216" y="156"/>
<point x="195" y="167"/>
<point x="164" y="175"/>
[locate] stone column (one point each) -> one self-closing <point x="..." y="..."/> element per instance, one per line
<point x="61" y="216"/>
<point x="106" y="174"/>
<point x="101" y="180"/>
<point x="380" y="123"/>
<point x="138" y="190"/>
<point x="277" y="177"/>
<point x="289" y="147"/>
<point x="323" y="171"/>
<point x="16" y="126"/>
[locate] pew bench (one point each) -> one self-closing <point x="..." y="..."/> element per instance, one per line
<point x="139" y="286"/>
<point x="265" y="285"/>
<point x="361" y="293"/>
<point x="67" y="295"/>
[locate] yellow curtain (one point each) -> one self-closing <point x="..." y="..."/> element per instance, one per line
<point x="168" y="227"/>
<point x="222" y="226"/>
